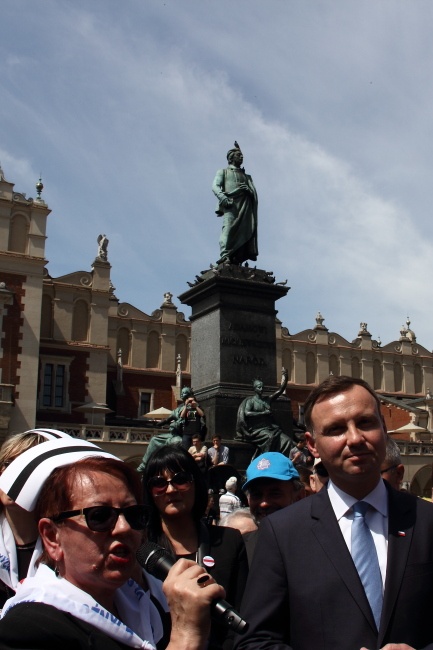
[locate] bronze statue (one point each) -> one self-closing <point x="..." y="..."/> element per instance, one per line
<point x="256" y="424"/>
<point x="185" y="421"/>
<point x="237" y="204"/>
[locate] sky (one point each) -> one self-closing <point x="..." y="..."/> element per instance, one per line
<point x="127" y="109"/>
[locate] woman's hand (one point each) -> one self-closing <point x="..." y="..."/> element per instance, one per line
<point x="189" y="603"/>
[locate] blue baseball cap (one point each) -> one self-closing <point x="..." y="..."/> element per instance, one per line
<point x="271" y="465"/>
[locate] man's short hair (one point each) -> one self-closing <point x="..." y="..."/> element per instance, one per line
<point x="216" y="436"/>
<point x="392" y="454"/>
<point x="331" y="386"/>
<point x="240" y="513"/>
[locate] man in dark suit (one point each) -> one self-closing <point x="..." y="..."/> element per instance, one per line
<point x="304" y="591"/>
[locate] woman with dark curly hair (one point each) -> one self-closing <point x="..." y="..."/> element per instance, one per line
<point x="176" y="494"/>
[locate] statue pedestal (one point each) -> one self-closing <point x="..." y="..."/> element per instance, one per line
<point x="233" y="341"/>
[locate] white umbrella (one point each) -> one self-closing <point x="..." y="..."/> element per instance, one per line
<point x="93" y="407"/>
<point x="410" y="427"/>
<point x="158" y="414"/>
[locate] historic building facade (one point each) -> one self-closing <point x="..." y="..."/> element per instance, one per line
<point x="22" y="260"/>
<point x="401" y="370"/>
<point x="68" y="342"/>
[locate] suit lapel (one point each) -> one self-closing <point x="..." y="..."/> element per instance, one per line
<point x="328" y="534"/>
<point x="401" y="522"/>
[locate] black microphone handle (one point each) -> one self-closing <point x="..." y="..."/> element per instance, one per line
<point x="158" y="562"/>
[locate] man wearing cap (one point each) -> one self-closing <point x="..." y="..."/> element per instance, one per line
<point x="272" y="484"/>
<point x="237" y="204"/>
<point x="351" y="567"/>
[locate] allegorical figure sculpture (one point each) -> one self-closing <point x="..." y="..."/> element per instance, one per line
<point x="185" y="421"/>
<point x="102" y="247"/>
<point x="237" y="204"/>
<point x="256" y="424"/>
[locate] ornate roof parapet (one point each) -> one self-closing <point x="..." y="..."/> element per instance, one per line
<point x="168" y="309"/>
<point x="410" y="334"/>
<point x="168" y="303"/>
<point x="319" y="322"/>
<point x="363" y="340"/>
<point x="363" y="331"/>
<point x="407" y="340"/>
<point x="403" y="336"/>
<point x="39" y="187"/>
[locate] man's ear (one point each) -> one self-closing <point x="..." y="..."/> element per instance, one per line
<point x="49" y="532"/>
<point x="399" y="470"/>
<point x="311" y="443"/>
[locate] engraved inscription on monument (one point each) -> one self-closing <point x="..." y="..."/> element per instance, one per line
<point x="246" y="343"/>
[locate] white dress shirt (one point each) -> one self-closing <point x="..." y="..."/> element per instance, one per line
<point x="376" y="518"/>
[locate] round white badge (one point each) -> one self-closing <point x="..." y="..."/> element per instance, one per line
<point x="208" y="561"/>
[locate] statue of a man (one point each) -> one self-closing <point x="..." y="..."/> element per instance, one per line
<point x="186" y="420"/>
<point x="237" y="204"/>
<point x="256" y="424"/>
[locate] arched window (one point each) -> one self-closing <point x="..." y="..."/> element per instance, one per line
<point x="153" y="350"/>
<point x="334" y="366"/>
<point x="418" y="378"/>
<point x="356" y="368"/>
<point x="398" y="377"/>
<point x="421" y="484"/>
<point x="47" y="317"/>
<point x="123" y="343"/>
<point x="18" y="234"/>
<point x="311" y="367"/>
<point x="182" y="349"/>
<point x="287" y="362"/>
<point x="377" y="374"/>
<point x="80" y="321"/>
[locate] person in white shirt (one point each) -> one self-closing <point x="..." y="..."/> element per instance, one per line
<point x="229" y="502"/>
<point x="198" y="451"/>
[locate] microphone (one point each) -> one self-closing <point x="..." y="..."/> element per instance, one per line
<point x="158" y="562"/>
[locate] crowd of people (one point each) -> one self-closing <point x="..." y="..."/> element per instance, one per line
<point x="316" y="551"/>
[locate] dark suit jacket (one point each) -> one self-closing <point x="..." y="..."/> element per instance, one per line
<point x="304" y="592"/>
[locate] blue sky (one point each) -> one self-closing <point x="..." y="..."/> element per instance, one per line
<point x="128" y="109"/>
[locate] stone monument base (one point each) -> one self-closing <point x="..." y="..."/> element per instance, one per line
<point x="233" y="342"/>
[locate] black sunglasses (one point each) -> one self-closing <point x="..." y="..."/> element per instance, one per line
<point x="181" y="481"/>
<point x="101" y="519"/>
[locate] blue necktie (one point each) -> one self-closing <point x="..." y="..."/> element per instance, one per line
<point x="364" y="556"/>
